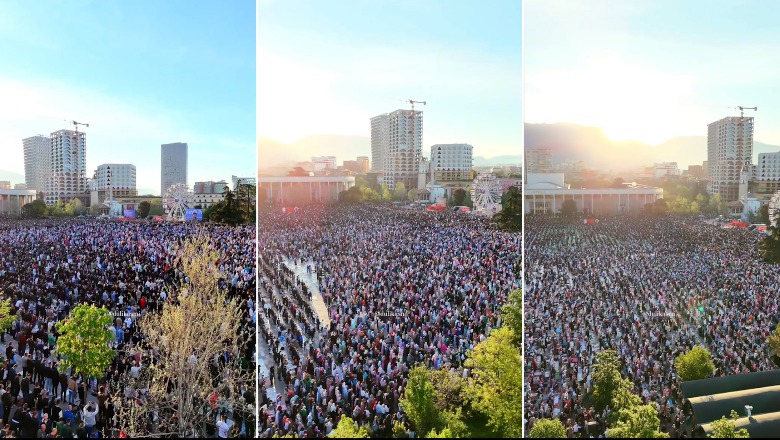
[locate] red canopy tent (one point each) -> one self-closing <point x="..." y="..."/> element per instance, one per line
<point x="436" y="208"/>
<point x="738" y="224"/>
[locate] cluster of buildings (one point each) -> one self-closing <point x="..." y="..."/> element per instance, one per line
<point x="55" y="170"/>
<point x="396" y="159"/>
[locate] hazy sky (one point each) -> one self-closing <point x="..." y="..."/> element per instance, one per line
<point x="141" y="73"/>
<point x="652" y="70"/>
<point x="328" y="67"/>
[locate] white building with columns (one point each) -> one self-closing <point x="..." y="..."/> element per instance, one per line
<point x="12" y="200"/>
<point x="303" y="189"/>
<point x="545" y="193"/>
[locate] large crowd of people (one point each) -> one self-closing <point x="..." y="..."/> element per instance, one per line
<point x="47" y="267"/>
<point x="402" y="287"/>
<point x="650" y="289"/>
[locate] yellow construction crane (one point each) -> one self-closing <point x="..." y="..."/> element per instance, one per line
<point x="742" y="110"/>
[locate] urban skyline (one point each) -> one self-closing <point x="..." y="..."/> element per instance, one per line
<point x="652" y="71"/>
<point x="377" y="60"/>
<point x="186" y="74"/>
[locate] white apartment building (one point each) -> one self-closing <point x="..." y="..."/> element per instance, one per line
<point x="67" y="179"/>
<point x="112" y="180"/>
<point x="452" y="161"/>
<point x="324" y="162"/>
<point x="666" y="169"/>
<point x="396" y="146"/>
<point x="243" y="181"/>
<point x="37" y="161"/>
<point x="729" y="150"/>
<point x="173" y="167"/>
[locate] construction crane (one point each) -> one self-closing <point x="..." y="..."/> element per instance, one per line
<point x="76" y="125"/>
<point x="742" y="110"/>
<point x="413" y="102"/>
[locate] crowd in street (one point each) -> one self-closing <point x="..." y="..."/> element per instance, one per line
<point x="401" y="288"/>
<point x="47" y="267"/>
<point x="650" y="289"/>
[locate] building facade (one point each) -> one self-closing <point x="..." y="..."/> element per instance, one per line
<point x="729" y="150"/>
<point x="235" y="180"/>
<point x="396" y="146"/>
<point x="67" y="179"/>
<point x="324" y="162"/>
<point x="112" y="180"/>
<point x="452" y="162"/>
<point x="544" y="193"/>
<point x="666" y="169"/>
<point x="37" y="161"/>
<point x="173" y="167"/>
<point x="303" y="189"/>
<point x="538" y="160"/>
<point x="363" y="164"/>
<point x="13" y="200"/>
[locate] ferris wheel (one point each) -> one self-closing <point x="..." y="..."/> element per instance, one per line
<point x="487" y="193"/>
<point x="175" y="201"/>
<point x="774" y="208"/>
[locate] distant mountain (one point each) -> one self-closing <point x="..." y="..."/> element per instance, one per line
<point x="571" y="142"/>
<point x="12" y="177"/>
<point x="480" y="161"/>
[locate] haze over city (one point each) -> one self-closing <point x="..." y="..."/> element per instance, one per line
<point x="140" y="74"/>
<point x="331" y="67"/>
<point x="651" y="72"/>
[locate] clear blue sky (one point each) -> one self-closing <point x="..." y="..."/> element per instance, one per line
<point x="652" y="70"/>
<point x="328" y="67"/>
<point x="141" y="73"/>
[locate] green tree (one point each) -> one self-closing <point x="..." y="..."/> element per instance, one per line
<point x="468" y="202"/>
<point x="512" y="314"/>
<point x="298" y="172"/>
<point x="419" y="401"/>
<point x="763" y="214"/>
<point x="548" y="428"/>
<point x="694" y="365"/>
<point x="769" y="248"/>
<point x="399" y="193"/>
<point x="84" y="340"/>
<point x="143" y="209"/>
<point x="695" y="209"/>
<point x="57" y="209"/>
<point x="386" y="194"/>
<point x="369" y="195"/>
<point x="444" y="433"/>
<point x="156" y="207"/>
<point x="6" y="317"/>
<point x="569" y="208"/>
<point x="609" y="388"/>
<point x="347" y="428"/>
<point x="459" y="197"/>
<point x="774" y="340"/>
<point x="637" y="422"/>
<point x="661" y="207"/>
<point x="246" y="201"/>
<point x="511" y="215"/>
<point x="35" y="209"/>
<point x="74" y="207"/>
<point x="495" y="387"/>
<point x="412" y="194"/>
<point x="727" y="428"/>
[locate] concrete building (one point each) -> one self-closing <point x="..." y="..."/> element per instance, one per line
<point x="67" y="179"/>
<point x="396" y="146"/>
<point x="423" y="173"/>
<point x="5" y="184"/>
<point x="363" y="164"/>
<point x="666" y="169"/>
<point x="235" y="180"/>
<point x="210" y="187"/>
<point x="325" y="162"/>
<point x="729" y="150"/>
<point x="544" y="193"/>
<point x="12" y="200"/>
<point x="112" y="180"/>
<point x="20" y="186"/>
<point x="207" y="194"/>
<point x="696" y="171"/>
<point x="452" y="162"/>
<point x="538" y="160"/>
<point x="173" y="167"/>
<point x="303" y="189"/>
<point x="37" y="161"/>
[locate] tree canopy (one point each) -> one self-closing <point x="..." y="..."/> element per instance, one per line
<point x="694" y="365"/>
<point x="726" y="428"/>
<point x="84" y="340"/>
<point x="548" y="428"/>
